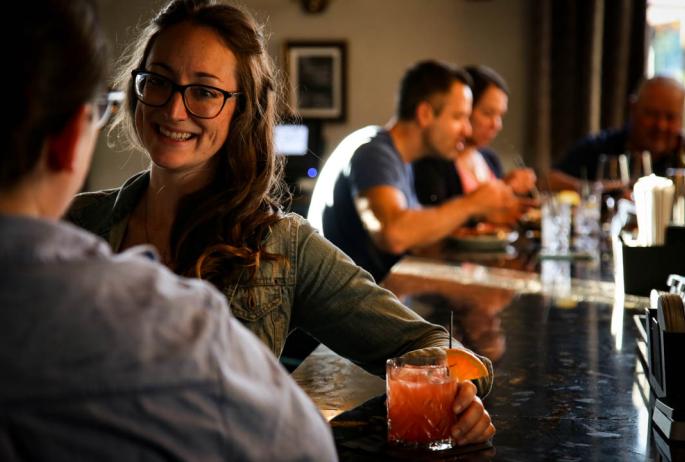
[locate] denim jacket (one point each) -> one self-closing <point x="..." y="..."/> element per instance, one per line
<point x="319" y="289"/>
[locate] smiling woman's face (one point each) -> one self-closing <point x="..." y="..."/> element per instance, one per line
<point x="175" y="139"/>
<point x="486" y="118"/>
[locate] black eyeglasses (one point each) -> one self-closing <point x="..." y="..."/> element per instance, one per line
<point x="105" y="105"/>
<point x="201" y="101"/>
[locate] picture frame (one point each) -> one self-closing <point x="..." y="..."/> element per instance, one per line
<point x="317" y="79"/>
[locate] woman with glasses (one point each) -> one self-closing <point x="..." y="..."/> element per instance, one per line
<point x="112" y="357"/>
<point x="201" y="101"/>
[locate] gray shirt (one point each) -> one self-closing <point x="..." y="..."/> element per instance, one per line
<point x="113" y="357"/>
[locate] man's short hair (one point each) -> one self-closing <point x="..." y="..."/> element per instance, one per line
<point x="422" y="81"/>
<point x="58" y="62"/>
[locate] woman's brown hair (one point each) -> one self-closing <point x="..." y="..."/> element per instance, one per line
<point x="222" y="228"/>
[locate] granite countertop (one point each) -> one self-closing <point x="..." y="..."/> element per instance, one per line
<point x="569" y="384"/>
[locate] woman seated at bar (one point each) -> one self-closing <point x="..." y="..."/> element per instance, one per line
<point x="438" y="179"/>
<point x="112" y="357"/>
<point x="201" y="98"/>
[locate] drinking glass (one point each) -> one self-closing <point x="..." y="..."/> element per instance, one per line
<point x="420" y="398"/>
<point x="613" y="172"/>
<point x="555" y="276"/>
<point x="556" y="225"/>
<point x="613" y="183"/>
<point x="587" y="215"/>
<point x="677" y="175"/>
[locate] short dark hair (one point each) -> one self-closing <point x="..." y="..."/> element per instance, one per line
<point x="58" y="60"/>
<point x="422" y="81"/>
<point x="483" y="77"/>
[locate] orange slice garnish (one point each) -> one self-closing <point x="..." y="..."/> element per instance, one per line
<point x="465" y="365"/>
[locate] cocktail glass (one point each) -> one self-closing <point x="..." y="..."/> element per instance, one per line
<point x="420" y="394"/>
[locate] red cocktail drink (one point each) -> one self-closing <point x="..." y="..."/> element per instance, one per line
<point x="420" y="399"/>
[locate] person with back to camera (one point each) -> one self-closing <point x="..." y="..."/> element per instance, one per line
<point x="438" y="179"/>
<point x="201" y="101"/>
<point x="112" y="357"/>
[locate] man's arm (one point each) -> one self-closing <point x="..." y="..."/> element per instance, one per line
<point x="395" y="228"/>
<point x="559" y="181"/>
<point x="583" y="159"/>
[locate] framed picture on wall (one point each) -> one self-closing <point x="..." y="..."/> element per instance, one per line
<point x="316" y="79"/>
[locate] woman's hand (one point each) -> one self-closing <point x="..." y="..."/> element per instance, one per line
<point x="473" y="424"/>
<point x="521" y="180"/>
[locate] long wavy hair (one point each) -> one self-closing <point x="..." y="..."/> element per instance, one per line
<point x="221" y="229"/>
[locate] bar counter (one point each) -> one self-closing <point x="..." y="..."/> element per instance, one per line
<point x="564" y="340"/>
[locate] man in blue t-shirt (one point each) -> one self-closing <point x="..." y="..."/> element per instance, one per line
<point x="655" y="125"/>
<point x="372" y="212"/>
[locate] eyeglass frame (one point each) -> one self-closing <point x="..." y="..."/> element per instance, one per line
<point x="176" y="88"/>
<point x="113" y="99"/>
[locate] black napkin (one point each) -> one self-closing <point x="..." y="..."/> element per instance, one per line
<point x="364" y="429"/>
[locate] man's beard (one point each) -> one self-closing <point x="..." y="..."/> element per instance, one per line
<point x="433" y="150"/>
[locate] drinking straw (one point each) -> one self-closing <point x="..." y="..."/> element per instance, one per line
<point x="646" y="163"/>
<point x="451" y="326"/>
<point x="623" y="168"/>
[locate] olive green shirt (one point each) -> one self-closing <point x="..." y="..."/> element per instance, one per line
<point x="318" y="289"/>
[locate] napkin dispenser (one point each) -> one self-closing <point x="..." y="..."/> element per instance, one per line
<point x="666" y="340"/>
<point x="647" y="268"/>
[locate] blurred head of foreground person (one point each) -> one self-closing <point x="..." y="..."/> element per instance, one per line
<point x="201" y="98"/>
<point x="112" y="357"/>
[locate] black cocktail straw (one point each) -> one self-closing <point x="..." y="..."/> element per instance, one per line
<point x="451" y="326"/>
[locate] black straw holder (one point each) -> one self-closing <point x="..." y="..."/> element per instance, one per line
<point x="647" y="268"/>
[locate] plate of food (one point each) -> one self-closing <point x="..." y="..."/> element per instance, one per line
<point x="483" y="236"/>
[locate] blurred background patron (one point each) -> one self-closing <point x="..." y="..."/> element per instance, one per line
<point x="654" y="125"/>
<point x="438" y="179"/>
